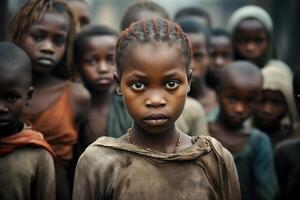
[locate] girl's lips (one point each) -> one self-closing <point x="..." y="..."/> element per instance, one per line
<point x="155" y="122"/>
<point x="156" y="119"/>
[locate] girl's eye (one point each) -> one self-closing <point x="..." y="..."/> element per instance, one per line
<point x="171" y="85"/>
<point x="12" y="99"/>
<point x="138" y="86"/>
<point x="37" y="37"/>
<point x="92" y="61"/>
<point x="59" y="40"/>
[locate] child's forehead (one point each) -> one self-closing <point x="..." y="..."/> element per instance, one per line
<point x="53" y="19"/>
<point x="234" y="79"/>
<point x="105" y="41"/>
<point x="150" y="55"/>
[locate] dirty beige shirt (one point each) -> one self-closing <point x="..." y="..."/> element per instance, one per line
<point x="26" y="174"/>
<point x="192" y="120"/>
<point x="111" y="169"/>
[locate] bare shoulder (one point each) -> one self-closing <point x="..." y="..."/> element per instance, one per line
<point x="80" y="97"/>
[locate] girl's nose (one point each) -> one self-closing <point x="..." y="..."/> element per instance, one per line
<point x="103" y="67"/>
<point x="155" y="101"/>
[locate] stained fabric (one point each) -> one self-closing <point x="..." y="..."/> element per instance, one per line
<point x="115" y="169"/>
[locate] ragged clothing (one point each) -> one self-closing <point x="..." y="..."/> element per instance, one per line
<point x="26" y="137"/>
<point x="26" y="167"/>
<point x="115" y="169"/>
<point x="57" y="125"/>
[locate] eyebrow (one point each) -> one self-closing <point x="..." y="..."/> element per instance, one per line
<point x="41" y="28"/>
<point x="171" y="73"/>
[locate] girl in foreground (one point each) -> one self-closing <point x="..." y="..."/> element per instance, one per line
<point x="154" y="160"/>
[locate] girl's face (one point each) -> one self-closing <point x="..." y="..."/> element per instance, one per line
<point x="45" y="42"/>
<point x="251" y="40"/>
<point x="271" y="108"/>
<point x="237" y="99"/>
<point x="154" y="85"/>
<point x="200" y="56"/>
<point x="98" y="63"/>
<point x="220" y="52"/>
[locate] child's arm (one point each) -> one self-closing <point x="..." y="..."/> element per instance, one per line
<point x="45" y="177"/>
<point x="264" y="171"/>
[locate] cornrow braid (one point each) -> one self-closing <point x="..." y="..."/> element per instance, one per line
<point x="34" y="11"/>
<point x="150" y="31"/>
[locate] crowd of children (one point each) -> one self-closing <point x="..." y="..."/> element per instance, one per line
<point x="165" y="109"/>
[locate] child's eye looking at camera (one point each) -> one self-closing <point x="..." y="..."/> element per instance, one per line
<point x="12" y="98"/>
<point x="138" y="86"/>
<point x="172" y="85"/>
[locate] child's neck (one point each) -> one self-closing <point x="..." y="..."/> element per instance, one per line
<point x="101" y="98"/>
<point x="228" y="128"/>
<point x="43" y="79"/>
<point x="166" y="142"/>
<point x="12" y="129"/>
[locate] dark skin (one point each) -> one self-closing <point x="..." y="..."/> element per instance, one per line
<point x="15" y="94"/>
<point x="45" y="43"/>
<point x="97" y="67"/>
<point x="270" y="110"/>
<point x="220" y="52"/>
<point x="237" y="97"/>
<point x="154" y="91"/>
<point x="199" y="66"/>
<point x="81" y="13"/>
<point x="251" y="42"/>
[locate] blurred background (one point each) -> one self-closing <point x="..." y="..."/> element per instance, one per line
<point x="285" y="14"/>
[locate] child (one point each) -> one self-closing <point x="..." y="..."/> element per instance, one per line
<point x="287" y="157"/>
<point x="199" y="38"/>
<point x="196" y="13"/>
<point x="81" y="13"/>
<point x="240" y="86"/>
<point x="276" y="111"/>
<point x="192" y="121"/>
<point x="94" y="50"/>
<point x="26" y="164"/>
<point x="251" y="28"/>
<point x="142" y="9"/>
<point x="45" y="30"/>
<point x="154" y="160"/>
<point x="220" y="53"/>
<point x="220" y="49"/>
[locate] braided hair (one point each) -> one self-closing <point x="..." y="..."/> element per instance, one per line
<point x="151" y="31"/>
<point x="34" y="11"/>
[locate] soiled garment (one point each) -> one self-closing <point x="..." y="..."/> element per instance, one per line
<point x="57" y="125"/>
<point x="27" y="173"/>
<point x="115" y="169"/>
<point x="287" y="165"/>
<point x="255" y="167"/>
<point x="26" y="137"/>
<point x="192" y="120"/>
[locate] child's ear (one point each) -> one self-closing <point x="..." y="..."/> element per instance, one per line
<point x="29" y="95"/>
<point x="117" y="83"/>
<point x="190" y="78"/>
